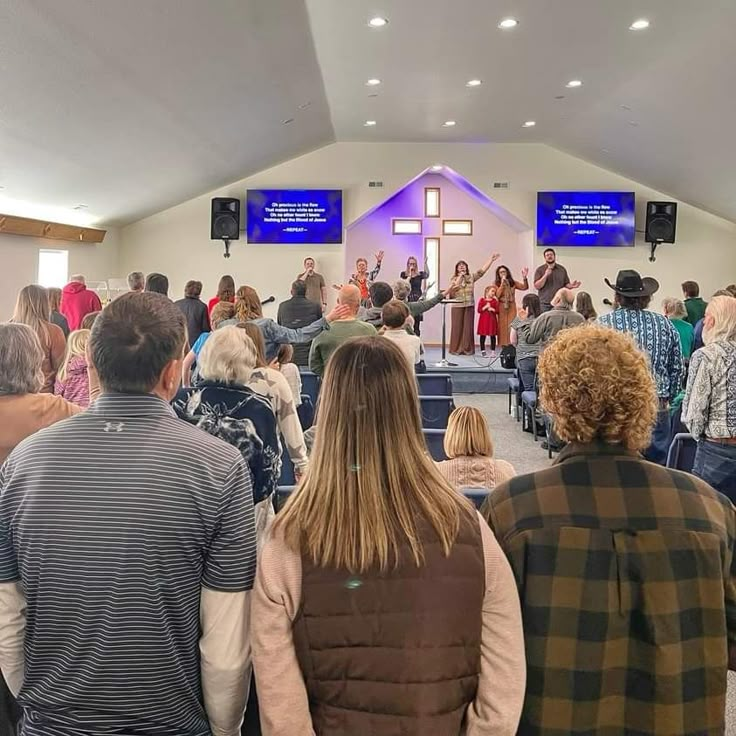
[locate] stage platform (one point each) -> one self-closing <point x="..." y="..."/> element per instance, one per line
<point x="473" y="374"/>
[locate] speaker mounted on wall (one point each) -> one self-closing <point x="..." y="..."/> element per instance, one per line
<point x="225" y="221"/>
<point x="661" y="224"/>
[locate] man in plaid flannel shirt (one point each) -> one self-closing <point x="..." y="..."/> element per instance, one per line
<point x="624" y="568"/>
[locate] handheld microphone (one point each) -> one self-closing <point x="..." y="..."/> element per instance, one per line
<point x="268" y="301"/>
<point x="608" y="302"/>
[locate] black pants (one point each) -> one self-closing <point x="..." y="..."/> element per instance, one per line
<point x="492" y="338"/>
<point x="418" y="325"/>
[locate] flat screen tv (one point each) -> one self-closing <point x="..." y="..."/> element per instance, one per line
<point x="294" y="216"/>
<point x="598" y="219"/>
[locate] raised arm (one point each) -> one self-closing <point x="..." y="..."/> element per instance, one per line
<point x="484" y="268"/>
<point x="379" y="260"/>
<point x="523" y="285"/>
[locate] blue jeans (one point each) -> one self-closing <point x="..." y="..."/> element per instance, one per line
<point x="527" y="373"/>
<point x="657" y="451"/>
<point x="715" y="463"/>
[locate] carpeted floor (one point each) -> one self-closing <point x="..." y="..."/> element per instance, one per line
<point x="518" y="448"/>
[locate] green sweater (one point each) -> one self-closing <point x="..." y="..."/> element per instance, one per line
<point x="695" y="310"/>
<point x="330" y="340"/>
<point x="687" y="334"/>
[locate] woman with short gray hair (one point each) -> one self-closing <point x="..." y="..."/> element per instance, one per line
<point x="224" y="406"/>
<point x="676" y="312"/>
<point x="23" y="410"/>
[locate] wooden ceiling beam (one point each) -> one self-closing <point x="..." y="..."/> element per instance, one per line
<point x="12" y="225"/>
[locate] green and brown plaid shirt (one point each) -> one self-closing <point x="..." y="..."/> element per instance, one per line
<point x="626" y="583"/>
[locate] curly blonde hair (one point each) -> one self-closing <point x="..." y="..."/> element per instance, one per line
<point x="597" y="385"/>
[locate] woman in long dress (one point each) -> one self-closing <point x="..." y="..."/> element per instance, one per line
<point x="506" y="287"/>
<point x="462" y="340"/>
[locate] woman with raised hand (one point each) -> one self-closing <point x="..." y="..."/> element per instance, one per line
<point x="462" y="340"/>
<point x="383" y="602"/>
<point x="248" y="308"/>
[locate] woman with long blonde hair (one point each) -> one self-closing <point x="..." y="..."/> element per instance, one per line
<point x="72" y="378"/>
<point x="55" y="305"/>
<point x="32" y="308"/>
<point x="248" y="309"/>
<point x="383" y="603"/>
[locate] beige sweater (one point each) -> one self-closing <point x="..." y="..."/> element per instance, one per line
<point x="282" y="695"/>
<point x="476" y="472"/>
<point x="23" y="415"/>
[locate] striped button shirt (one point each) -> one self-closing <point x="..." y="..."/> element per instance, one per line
<point x="656" y="336"/>
<point x="113" y="521"/>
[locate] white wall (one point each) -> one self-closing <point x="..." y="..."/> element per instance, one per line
<point x="19" y="259"/>
<point x="176" y="241"/>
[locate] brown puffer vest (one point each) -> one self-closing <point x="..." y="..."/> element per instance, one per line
<point x="394" y="653"/>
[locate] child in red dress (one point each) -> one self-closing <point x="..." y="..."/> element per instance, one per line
<point x="488" y="320"/>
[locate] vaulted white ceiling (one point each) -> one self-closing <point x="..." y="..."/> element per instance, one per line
<point x="130" y="107"/>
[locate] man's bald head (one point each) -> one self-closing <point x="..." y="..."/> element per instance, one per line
<point x="563" y="298"/>
<point x="349" y="296"/>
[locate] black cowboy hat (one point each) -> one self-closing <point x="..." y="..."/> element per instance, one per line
<point x="630" y="283"/>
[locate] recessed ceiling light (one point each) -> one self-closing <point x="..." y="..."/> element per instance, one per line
<point x="633" y="124"/>
<point x="625" y="107"/>
<point x="373" y="82"/>
<point x="605" y="150"/>
<point x="639" y="25"/>
<point x="378" y="22"/>
<point x="305" y="105"/>
<point x="529" y="124"/>
<point x="369" y="123"/>
<point x="508" y="23"/>
<point x="474" y="83"/>
<point x="574" y="83"/>
<point x="448" y="124"/>
<point x="287" y="121"/>
<point x="436" y="167"/>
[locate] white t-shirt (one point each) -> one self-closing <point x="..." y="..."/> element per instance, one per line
<point x="410" y="345"/>
<point x="291" y="373"/>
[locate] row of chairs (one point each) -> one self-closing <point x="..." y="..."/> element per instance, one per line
<point x="430" y="384"/>
<point x="435" y="411"/>
<point x="476" y="495"/>
<point x="523" y="405"/>
<point x="435" y="439"/>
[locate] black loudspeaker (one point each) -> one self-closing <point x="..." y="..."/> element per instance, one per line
<point x="661" y="222"/>
<point x="225" y="222"/>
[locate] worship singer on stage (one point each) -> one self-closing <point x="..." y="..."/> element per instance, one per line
<point x="550" y="277"/>
<point x="462" y="339"/>
<point x="416" y="279"/>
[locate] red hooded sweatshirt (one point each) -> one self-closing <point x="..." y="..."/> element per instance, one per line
<point x="77" y="303"/>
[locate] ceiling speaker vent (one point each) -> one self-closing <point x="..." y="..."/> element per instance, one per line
<point x="375" y="184"/>
<point x="501" y="185"/>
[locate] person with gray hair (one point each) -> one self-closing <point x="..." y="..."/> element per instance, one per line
<point x="23" y="409"/>
<point x="136" y="281"/>
<point x="708" y="406"/>
<point x="223" y="405"/>
<point x="676" y="312"/>
<point x="561" y="316"/>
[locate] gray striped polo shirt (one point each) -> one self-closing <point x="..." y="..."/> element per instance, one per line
<point x="112" y="521"/>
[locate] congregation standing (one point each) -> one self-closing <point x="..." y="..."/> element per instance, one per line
<point x="148" y="502"/>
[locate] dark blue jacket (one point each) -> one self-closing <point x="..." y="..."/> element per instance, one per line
<point x="243" y="419"/>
